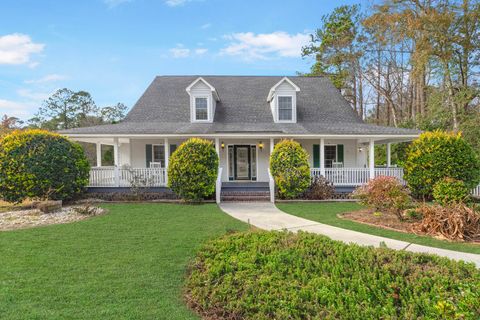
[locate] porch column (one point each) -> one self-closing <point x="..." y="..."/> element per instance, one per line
<point x="322" y="157"/>
<point x="217" y="147"/>
<point x="116" y="162"/>
<point x="372" y="158"/>
<point x="389" y="155"/>
<point x="167" y="157"/>
<point x="272" y="145"/>
<point x="99" y="154"/>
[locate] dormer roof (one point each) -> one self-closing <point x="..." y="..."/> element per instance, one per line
<point x="214" y="91"/>
<point x="284" y="79"/>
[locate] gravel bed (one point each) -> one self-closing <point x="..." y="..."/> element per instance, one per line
<point x="20" y="219"/>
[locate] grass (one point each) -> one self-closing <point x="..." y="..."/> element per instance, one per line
<point x="326" y="212"/>
<point x="128" y="264"/>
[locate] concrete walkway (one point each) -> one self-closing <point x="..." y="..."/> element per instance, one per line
<point x="265" y="215"/>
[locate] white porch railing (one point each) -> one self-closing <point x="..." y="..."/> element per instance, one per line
<point x="476" y="191"/>
<point x="127" y="177"/>
<point x="355" y="176"/>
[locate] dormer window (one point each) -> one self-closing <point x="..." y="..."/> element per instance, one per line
<point x="285" y="108"/>
<point x="201" y="108"/>
<point x="203" y="100"/>
<point x="283" y="101"/>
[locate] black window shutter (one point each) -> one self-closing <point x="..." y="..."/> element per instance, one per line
<point x="340" y="153"/>
<point x="173" y="147"/>
<point x="148" y="154"/>
<point x="316" y="156"/>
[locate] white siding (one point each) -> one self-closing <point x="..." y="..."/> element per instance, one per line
<point x="138" y="148"/>
<point x="349" y="149"/>
<point x="200" y="89"/>
<point x="284" y="89"/>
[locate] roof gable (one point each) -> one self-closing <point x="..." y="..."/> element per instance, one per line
<point x="200" y="79"/>
<point x="285" y="79"/>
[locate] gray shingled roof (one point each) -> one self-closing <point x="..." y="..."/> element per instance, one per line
<point x="164" y="108"/>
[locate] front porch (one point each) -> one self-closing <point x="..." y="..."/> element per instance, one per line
<point x="143" y="162"/>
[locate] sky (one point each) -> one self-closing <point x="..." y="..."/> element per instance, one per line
<point x="114" y="48"/>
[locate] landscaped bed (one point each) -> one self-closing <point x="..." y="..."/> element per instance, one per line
<point x="280" y="275"/>
<point x="388" y="221"/>
<point x="28" y="218"/>
<point x="328" y="213"/>
<point x="127" y="264"/>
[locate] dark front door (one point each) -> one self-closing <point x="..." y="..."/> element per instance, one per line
<point x="242" y="162"/>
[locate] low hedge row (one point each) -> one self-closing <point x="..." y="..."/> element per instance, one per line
<point x="280" y="275"/>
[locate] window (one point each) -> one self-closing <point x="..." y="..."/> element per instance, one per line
<point x="201" y="109"/>
<point x="285" y="108"/>
<point x="158" y="154"/>
<point x="330" y="156"/>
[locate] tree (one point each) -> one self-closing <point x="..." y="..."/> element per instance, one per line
<point x="67" y="109"/>
<point x="113" y="114"/>
<point x="59" y="111"/>
<point x="10" y="122"/>
<point x="87" y="109"/>
<point x="336" y="46"/>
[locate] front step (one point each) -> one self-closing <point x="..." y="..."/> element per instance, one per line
<point x="250" y="196"/>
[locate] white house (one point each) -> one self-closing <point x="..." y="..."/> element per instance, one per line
<point x="244" y="116"/>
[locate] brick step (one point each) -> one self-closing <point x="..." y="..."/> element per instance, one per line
<point x="245" y="198"/>
<point x="246" y="193"/>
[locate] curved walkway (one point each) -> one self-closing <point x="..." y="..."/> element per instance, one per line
<point x="267" y="216"/>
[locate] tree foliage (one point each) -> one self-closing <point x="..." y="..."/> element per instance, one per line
<point x="66" y="109"/>
<point x="437" y="155"/>
<point x="193" y="169"/>
<point x="290" y="168"/>
<point x="405" y="63"/>
<point x="41" y="165"/>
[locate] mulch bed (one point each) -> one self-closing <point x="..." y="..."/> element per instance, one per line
<point x="382" y="220"/>
<point x="386" y="221"/>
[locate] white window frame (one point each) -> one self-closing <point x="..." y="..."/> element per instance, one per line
<point x="162" y="161"/>
<point x="294" y="109"/>
<point x="194" y="109"/>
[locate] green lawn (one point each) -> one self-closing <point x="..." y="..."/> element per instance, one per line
<point x="326" y="212"/>
<point x="128" y="264"/>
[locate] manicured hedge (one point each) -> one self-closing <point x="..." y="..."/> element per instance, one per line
<point x="438" y="155"/>
<point x="290" y="169"/>
<point x="193" y="170"/>
<point x="38" y="164"/>
<point x="280" y="275"/>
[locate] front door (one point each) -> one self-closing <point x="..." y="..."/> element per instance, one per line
<point x="242" y="162"/>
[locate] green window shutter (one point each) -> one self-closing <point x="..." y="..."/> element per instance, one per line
<point x="340" y="153"/>
<point x="148" y="154"/>
<point x="173" y="147"/>
<point x="316" y="156"/>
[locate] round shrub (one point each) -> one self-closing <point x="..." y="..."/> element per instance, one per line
<point x="450" y="191"/>
<point x="38" y="164"/>
<point x="438" y="155"/>
<point x="384" y="194"/>
<point x="193" y="169"/>
<point x="290" y="169"/>
<point x="280" y="275"/>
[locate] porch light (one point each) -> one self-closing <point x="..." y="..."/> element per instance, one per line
<point x="222" y="145"/>
<point x="360" y="149"/>
<point x="260" y="145"/>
